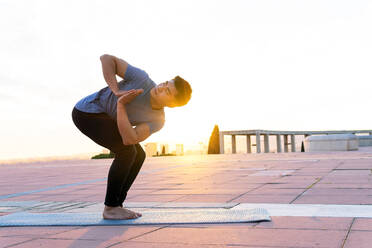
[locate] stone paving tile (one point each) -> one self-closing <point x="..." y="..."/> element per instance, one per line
<point x="334" y="199"/>
<point x="235" y="185"/>
<point x="30" y="197"/>
<point x="195" y="205"/>
<point x="8" y="241"/>
<point x="347" y="180"/>
<point x="317" y="191"/>
<point x="307" y="223"/>
<point x="311" y="173"/>
<point x="265" y="198"/>
<point x="217" y="226"/>
<point x="286" y="186"/>
<point x="270" y="191"/>
<point x="78" y="243"/>
<point x="10" y="190"/>
<point x="354" y="185"/>
<point x="68" y="190"/>
<point x="154" y="198"/>
<point x="300" y="179"/>
<point x="207" y="198"/>
<point x="202" y="191"/>
<point x="356" y="166"/>
<point x="255" y="180"/>
<point x="351" y="172"/>
<point x="32" y="231"/>
<point x="62" y="197"/>
<point x="156" y="185"/>
<point x="362" y="224"/>
<point x="137" y="191"/>
<point x="98" y="197"/>
<point x="112" y="233"/>
<point x="132" y="244"/>
<point x="258" y="237"/>
<point x="359" y="239"/>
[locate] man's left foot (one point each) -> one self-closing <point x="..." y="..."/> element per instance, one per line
<point x="138" y="214"/>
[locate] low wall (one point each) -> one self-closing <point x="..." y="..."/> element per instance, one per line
<point x="365" y="140"/>
<point x="333" y="142"/>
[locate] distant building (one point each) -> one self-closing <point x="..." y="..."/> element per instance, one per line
<point x="179" y="149"/>
<point x="166" y="148"/>
<point x="151" y="149"/>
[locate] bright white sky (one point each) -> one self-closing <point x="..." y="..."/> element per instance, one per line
<point x="281" y="65"/>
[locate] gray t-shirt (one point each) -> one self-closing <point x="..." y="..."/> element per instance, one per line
<point x="139" y="110"/>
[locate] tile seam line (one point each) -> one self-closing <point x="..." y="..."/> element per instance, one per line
<point x="348" y="233"/>
<point x="258" y="187"/>
<point x="120" y="242"/>
<point x="137" y="236"/>
<point x="12" y="245"/>
<point x="316" y="182"/>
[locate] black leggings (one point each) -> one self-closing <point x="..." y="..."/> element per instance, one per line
<point x="103" y="130"/>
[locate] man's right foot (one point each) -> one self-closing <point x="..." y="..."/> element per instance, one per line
<point x="118" y="213"/>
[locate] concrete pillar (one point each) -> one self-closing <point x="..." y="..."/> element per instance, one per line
<point x="278" y="143"/>
<point x="293" y="143"/>
<point x="285" y="142"/>
<point x="258" y="143"/>
<point x="222" y="144"/>
<point x="266" y="143"/>
<point x="249" y="147"/>
<point x="233" y="143"/>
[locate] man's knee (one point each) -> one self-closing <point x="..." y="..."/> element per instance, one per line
<point x="140" y="152"/>
<point x="124" y="151"/>
<point x="142" y="155"/>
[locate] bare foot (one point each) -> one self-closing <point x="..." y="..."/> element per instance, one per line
<point x="118" y="213"/>
<point x="138" y="214"/>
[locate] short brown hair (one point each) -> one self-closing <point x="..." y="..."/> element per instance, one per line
<point x="183" y="91"/>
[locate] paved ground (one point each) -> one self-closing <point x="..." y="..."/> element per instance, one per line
<point x="229" y="181"/>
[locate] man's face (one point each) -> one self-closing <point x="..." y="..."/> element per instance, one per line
<point x="165" y="93"/>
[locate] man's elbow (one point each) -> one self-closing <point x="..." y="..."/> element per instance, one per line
<point x="105" y="57"/>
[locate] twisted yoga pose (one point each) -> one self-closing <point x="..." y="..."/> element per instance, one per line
<point x="120" y="116"/>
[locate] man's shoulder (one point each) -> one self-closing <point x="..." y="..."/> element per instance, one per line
<point x="135" y="74"/>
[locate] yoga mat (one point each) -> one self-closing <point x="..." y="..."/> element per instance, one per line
<point x="164" y="216"/>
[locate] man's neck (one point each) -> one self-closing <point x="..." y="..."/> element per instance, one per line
<point x="154" y="104"/>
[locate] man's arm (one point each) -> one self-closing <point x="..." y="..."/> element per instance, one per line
<point x="130" y="136"/>
<point x="112" y="66"/>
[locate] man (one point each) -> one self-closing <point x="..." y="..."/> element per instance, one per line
<point x="109" y="115"/>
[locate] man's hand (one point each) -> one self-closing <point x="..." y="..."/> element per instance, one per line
<point x="119" y="93"/>
<point x="125" y="97"/>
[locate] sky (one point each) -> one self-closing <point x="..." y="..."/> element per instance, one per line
<point x="278" y="65"/>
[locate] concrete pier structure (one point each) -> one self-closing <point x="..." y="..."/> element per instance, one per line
<point x="278" y="143"/>
<point x="266" y="143"/>
<point x="233" y="144"/>
<point x="249" y="148"/>
<point x="289" y="138"/>
<point x="258" y="142"/>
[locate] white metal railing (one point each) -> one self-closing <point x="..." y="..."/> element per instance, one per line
<point x="278" y="134"/>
